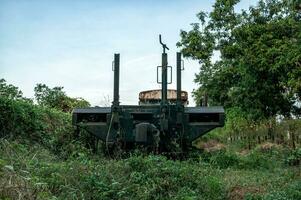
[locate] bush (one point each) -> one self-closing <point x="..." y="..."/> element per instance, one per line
<point x="224" y="159"/>
<point x="25" y="121"/>
<point x="256" y="160"/>
<point x="294" y="157"/>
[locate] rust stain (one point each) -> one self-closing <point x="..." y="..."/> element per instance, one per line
<point x="156" y="95"/>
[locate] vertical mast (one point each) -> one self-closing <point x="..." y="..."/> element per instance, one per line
<point x="164" y="78"/>
<point x="116" y="80"/>
<point x="164" y="73"/>
<point x="179" y="79"/>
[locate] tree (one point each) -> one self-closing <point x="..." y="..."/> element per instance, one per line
<point x="57" y="98"/>
<point x="260" y="54"/>
<point x="9" y="91"/>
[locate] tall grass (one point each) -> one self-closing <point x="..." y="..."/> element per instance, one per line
<point x="41" y="158"/>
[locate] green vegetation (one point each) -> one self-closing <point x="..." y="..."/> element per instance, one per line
<point x="259" y="67"/>
<point x="41" y="158"/>
<point x="33" y="171"/>
<point x="57" y="98"/>
<point x="255" y="156"/>
<point x="249" y="134"/>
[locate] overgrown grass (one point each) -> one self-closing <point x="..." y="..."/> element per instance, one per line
<point x="35" y="172"/>
<point x="41" y="158"/>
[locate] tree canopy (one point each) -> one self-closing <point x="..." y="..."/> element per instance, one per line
<point x="57" y="98"/>
<point x="258" y="68"/>
<point x="9" y="91"/>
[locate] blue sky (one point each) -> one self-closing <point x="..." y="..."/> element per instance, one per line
<point x="71" y="43"/>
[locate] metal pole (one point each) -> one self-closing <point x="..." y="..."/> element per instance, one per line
<point x="164" y="78"/>
<point x="179" y="79"/>
<point x="116" y="79"/>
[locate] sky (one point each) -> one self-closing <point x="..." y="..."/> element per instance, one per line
<point x="71" y="43"/>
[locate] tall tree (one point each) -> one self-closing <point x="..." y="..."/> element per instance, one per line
<point x="9" y="91"/>
<point x="258" y="69"/>
<point x="57" y="98"/>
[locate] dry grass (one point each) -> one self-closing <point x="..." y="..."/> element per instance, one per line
<point x="14" y="186"/>
<point x="210" y="146"/>
<point x="239" y="192"/>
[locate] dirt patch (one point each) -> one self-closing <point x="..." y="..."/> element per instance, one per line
<point x="264" y="147"/>
<point x="14" y="186"/>
<point x="268" y="146"/>
<point x="238" y="192"/>
<point x="244" y="152"/>
<point x="211" y="146"/>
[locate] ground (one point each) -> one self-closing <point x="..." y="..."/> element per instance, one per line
<point x="30" y="171"/>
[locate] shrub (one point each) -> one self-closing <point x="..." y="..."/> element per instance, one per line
<point x="23" y="120"/>
<point x="294" y="157"/>
<point x="224" y="159"/>
<point x="256" y="160"/>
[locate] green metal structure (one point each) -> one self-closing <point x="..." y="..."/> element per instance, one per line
<point x="164" y="127"/>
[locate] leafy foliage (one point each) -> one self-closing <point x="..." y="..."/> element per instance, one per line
<point x="57" y="98"/>
<point x="11" y="92"/>
<point x="294" y="158"/>
<point x="21" y="119"/>
<point x="259" y="66"/>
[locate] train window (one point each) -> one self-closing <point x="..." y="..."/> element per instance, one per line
<point x="92" y="117"/>
<point x="142" y="116"/>
<point x="203" y="117"/>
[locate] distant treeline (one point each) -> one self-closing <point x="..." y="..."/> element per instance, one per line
<point x="44" y="96"/>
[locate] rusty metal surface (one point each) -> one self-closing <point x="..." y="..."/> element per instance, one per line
<point x="156" y="95"/>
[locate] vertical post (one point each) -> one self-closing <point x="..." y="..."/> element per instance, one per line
<point x="179" y="79"/>
<point x="164" y="79"/>
<point x="116" y="79"/>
